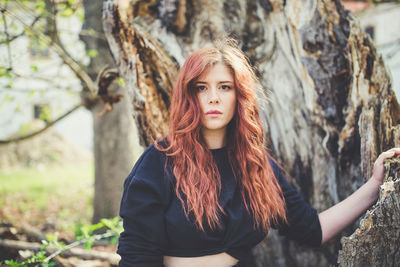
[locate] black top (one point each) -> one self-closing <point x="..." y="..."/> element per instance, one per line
<point x="155" y="224"/>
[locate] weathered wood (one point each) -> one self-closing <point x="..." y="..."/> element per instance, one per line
<point x="149" y="72"/>
<point x="330" y="108"/>
<point x="376" y="241"/>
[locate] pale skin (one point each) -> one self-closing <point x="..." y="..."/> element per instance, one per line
<point x="216" y="93"/>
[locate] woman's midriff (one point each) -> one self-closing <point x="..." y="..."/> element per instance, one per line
<point x="220" y="260"/>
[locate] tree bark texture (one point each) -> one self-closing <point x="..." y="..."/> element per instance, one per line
<point x="113" y="131"/>
<point x="330" y="109"/>
<point x="376" y="241"/>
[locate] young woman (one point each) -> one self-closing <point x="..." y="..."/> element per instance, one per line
<point x="209" y="192"/>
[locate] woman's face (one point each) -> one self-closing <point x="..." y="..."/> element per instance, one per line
<point x="217" y="97"/>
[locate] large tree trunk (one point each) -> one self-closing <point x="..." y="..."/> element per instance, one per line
<point x="114" y="135"/>
<point x="331" y="109"/>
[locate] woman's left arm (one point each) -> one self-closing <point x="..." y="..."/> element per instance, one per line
<point x="337" y="217"/>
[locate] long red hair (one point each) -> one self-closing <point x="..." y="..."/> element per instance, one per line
<point x="197" y="177"/>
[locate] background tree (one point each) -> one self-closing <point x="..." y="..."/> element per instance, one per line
<point x="331" y="109"/>
<point x="114" y="136"/>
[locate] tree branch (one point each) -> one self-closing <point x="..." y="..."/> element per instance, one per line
<point x="17" y="139"/>
<point x="7" y="37"/>
<point x="12" y="38"/>
<point x="75" y="244"/>
<point x="87" y="82"/>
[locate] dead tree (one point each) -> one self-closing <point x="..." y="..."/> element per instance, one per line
<point x="331" y="109"/>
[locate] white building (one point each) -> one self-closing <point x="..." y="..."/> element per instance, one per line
<point x="42" y="81"/>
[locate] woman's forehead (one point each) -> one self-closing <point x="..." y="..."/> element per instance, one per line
<point x="218" y="71"/>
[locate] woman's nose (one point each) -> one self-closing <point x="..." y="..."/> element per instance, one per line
<point x="213" y="96"/>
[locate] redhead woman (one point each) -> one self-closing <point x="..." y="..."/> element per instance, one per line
<point x="208" y="192"/>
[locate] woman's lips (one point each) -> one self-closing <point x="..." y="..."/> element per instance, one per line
<point x="213" y="113"/>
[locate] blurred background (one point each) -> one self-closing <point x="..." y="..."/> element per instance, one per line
<point x="51" y="53"/>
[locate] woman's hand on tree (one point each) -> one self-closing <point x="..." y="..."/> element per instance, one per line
<point x="377" y="173"/>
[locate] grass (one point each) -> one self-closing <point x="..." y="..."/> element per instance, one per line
<point x="56" y="197"/>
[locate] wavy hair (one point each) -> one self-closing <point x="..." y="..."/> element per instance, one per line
<point x="197" y="176"/>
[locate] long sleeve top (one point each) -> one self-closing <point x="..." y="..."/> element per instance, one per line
<point x="155" y="224"/>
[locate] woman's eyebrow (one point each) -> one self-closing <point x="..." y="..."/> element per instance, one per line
<point x="201" y="82"/>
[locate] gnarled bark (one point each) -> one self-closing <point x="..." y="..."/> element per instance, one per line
<point x="331" y="109"/>
<point x="376" y="241"/>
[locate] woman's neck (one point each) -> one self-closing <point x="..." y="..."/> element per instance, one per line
<point x="214" y="139"/>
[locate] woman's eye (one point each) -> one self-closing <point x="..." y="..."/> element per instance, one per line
<point x="225" y="87"/>
<point x="201" y="88"/>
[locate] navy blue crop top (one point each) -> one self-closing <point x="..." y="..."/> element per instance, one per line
<point x="155" y="224"/>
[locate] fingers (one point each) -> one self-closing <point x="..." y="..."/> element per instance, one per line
<point x="395" y="149"/>
<point x="389" y="153"/>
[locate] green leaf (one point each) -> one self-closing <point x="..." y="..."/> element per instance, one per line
<point x="9" y="74"/>
<point x="121" y="81"/>
<point x="114" y="240"/>
<point x="12" y="263"/>
<point x="61" y="7"/>
<point x="67" y="12"/>
<point x="18" y="108"/>
<point x="32" y="94"/>
<point x="34" y="68"/>
<point x="4" y="72"/>
<point x="8" y="98"/>
<point x="92" y="53"/>
<point x="81" y="15"/>
<point x="45" y="114"/>
<point x="89" y="243"/>
<point x="95" y="227"/>
<point x="40" y="5"/>
<point x="51" y="237"/>
<point x="47" y="264"/>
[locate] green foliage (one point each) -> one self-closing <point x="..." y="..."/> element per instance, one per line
<point x="40" y="6"/>
<point x="121" y="81"/>
<point x="5" y="72"/>
<point x="45" y="113"/>
<point x="27" y="128"/>
<point x="34" y="187"/>
<point x="86" y="232"/>
<point x="37" y="259"/>
<point x="87" y="237"/>
<point x="34" y="68"/>
<point x="92" y="53"/>
<point x="6" y="99"/>
<point x="53" y="239"/>
<point x="19" y="16"/>
<point x="32" y="94"/>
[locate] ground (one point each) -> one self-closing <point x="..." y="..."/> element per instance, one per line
<point x="46" y="186"/>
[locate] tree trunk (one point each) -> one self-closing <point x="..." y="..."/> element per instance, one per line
<point x="376" y="241"/>
<point x="114" y="132"/>
<point x="330" y="108"/>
